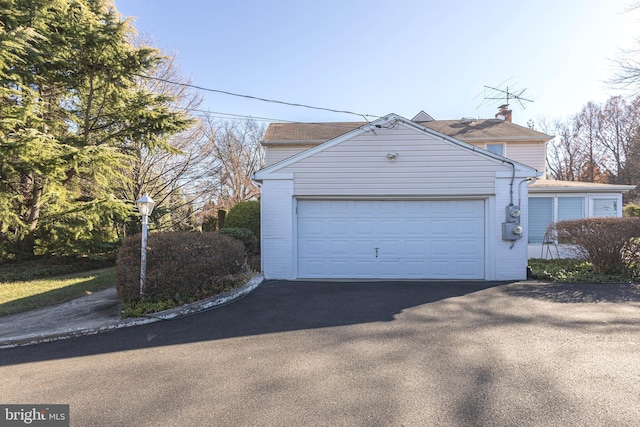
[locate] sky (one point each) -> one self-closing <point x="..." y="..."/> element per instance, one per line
<point x="379" y="57"/>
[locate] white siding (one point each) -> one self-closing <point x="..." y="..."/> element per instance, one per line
<point x="274" y="154"/>
<point x="276" y="215"/>
<point x="532" y="154"/>
<point x="510" y="260"/>
<point x="425" y="165"/>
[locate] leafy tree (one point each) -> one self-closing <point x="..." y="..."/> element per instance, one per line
<point x="72" y="112"/>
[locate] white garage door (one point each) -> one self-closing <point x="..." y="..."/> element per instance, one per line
<point x="391" y="239"/>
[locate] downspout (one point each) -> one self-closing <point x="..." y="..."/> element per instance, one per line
<point x="513" y="178"/>
<point x="531" y="179"/>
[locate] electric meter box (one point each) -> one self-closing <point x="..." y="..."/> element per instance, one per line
<point x="511" y="231"/>
<point x="513" y="213"/>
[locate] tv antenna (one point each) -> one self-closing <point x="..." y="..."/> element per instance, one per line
<point x="503" y="96"/>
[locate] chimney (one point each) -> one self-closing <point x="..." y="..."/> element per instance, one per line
<point x="504" y="113"/>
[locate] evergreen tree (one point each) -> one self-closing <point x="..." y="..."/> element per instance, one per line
<point x="71" y="109"/>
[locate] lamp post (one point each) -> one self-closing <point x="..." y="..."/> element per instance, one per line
<point x="145" y="206"/>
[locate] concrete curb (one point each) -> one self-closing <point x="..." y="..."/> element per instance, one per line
<point x="174" y="313"/>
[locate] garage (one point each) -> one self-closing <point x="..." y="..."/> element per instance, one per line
<point x="391" y="200"/>
<point x="391" y="239"/>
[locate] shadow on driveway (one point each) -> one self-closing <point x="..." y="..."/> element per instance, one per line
<point x="275" y="306"/>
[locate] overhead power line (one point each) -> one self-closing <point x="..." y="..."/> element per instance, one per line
<point x="257" y="98"/>
<point x="232" y="116"/>
<point x="224" y="92"/>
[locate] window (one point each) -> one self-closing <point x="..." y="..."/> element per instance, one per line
<point x="496" y="149"/>
<point x="545" y="210"/>
<point x="570" y="208"/>
<point x="540" y="216"/>
<point x="605" y="207"/>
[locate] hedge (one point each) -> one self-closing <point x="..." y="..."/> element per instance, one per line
<point x="185" y="266"/>
<point x="605" y="242"/>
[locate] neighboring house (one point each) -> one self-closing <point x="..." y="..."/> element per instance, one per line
<point x="420" y="198"/>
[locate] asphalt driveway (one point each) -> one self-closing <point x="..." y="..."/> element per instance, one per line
<point x="356" y="354"/>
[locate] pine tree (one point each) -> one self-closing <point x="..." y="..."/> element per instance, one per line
<point x="72" y="106"/>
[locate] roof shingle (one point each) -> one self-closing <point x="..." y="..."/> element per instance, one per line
<point x="479" y="130"/>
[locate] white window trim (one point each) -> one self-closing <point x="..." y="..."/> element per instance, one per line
<point x="618" y="200"/>
<point x="504" y="147"/>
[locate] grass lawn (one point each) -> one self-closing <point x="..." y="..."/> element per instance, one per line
<point x="22" y="295"/>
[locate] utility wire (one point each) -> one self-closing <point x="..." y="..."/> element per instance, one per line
<point x="224" y="92"/>
<point x="273" y="101"/>
<point x="232" y="116"/>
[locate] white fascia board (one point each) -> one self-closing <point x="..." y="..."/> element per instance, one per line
<point x="258" y="176"/>
<point x="508" y="139"/>
<point x="601" y="189"/>
<point x="520" y="173"/>
<point x="277" y="143"/>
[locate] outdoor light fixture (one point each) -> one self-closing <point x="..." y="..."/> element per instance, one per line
<point x="392" y="156"/>
<point x="145" y="206"/>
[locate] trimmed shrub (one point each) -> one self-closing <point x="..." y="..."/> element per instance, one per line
<point x="245" y="215"/>
<point x="631" y="210"/>
<point x="181" y="266"/>
<point x="601" y="241"/>
<point x="244" y="235"/>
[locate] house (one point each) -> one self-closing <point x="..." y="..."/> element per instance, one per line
<point x="412" y="199"/>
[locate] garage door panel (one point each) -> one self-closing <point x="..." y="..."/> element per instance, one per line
<point x="442" y="209"/>
<point x="313" y="267"/>
<point x="417" y="210"/>
<point x="467" y="227"/>
<point x="415" y="269"/>
<point x="440" y="227"/>
<point x="313" y="229"/>
<point x="390" y="209"/>
<point x="463" y="209"/>
<point x="366" y="209"/>
<point x="364" y="248"/>
<point x="390" y="227"/>
<point x="467" y="270"/>
<point x="414" y="248"/>
<point x="340" y="248"/>
<point x="441" y="249"/>
<point x="415" y="239"/>
<point x="441" y="269"/>
<point x="338" y="208"/>
<point x="365" y="227"/>
<point x="466" y="248"/>
<point x="314" y="248"/>
<point x="389" y="249"/>
<point x="364" y="268"/>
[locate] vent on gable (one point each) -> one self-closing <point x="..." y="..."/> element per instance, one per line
<point x="422" y="117"/>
